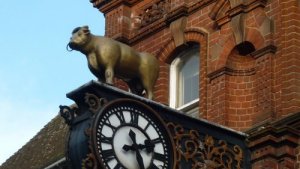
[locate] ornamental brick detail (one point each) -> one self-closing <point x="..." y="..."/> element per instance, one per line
<point x="156" y="10"/>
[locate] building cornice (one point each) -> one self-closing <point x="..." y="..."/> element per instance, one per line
<point x="107" y="5"/>
<point x="158" y="15"/>
<point x="269" y="139"/>
<point x="241" y="8"/>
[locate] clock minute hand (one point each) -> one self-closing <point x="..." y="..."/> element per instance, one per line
<point x="139" y="157"/>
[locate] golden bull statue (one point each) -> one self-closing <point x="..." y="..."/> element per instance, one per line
<point x="108" y="58"/>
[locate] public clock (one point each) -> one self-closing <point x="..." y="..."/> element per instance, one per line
<point x="128" y="134"/>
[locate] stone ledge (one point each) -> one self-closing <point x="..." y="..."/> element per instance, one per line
<point x="229" y="71"/>
<point x="276" y="140"/>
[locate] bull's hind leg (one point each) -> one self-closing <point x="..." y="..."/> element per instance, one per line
<point x="109" y="75"/>
<point x="100" y="76"/>
<point x="135" y="87"/>
<point x="148" y="78"/>
<point x="150" y="94"/>
<point x="149" y="70"/>
<point x="147" y="83"/>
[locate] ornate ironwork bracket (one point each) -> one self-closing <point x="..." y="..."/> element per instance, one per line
<point x="90" y="162"/>
<point x="68" y="113"/>
<point x="94" y="103"/>
<point x="203" y="151"/>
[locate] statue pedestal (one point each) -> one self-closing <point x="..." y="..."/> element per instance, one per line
<point x="197" y="143"/>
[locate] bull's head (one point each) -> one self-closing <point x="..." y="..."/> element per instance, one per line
<point x="80" y="37"/>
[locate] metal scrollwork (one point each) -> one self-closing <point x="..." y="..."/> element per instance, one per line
<point x="203" y="151"/>
<point x="94" y="102"/>
<point x="90" y="161"/>
<point x="67" y="113"/>
<point x="218" y="154"/>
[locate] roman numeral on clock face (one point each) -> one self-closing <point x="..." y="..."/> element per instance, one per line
<point x="108" y="155"/>
<point x="155" y="141"/>
<point x="118" y="166"/>
<point x="105" y="139"/>
<point x="153" y="166"/>
<point x="107" y="123"/>
<point x="159" y="157"/>
<point x="120" y="117"/>
<point x="146" y="127"/>
<point x="134" y="118"/>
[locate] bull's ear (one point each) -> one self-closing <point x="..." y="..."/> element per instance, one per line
<point x="86" y="29"/>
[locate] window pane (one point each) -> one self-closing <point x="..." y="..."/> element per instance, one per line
<point x="184" y="79"/>
<point x="189" y="78"/>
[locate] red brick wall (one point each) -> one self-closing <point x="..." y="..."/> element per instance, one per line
<point x="250" y="61"/>
<point x="216" y="104"/>
<point x="240" y="96"/>
<point x="276" y="145"/>
<point x="231" y="94"/>
<point x="286" y="64"/>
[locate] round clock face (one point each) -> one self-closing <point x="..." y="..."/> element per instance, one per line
<point x="130" y="135"/>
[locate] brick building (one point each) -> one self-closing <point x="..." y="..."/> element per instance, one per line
<point x="242" y="56"/>
<point x="232" y="62"/>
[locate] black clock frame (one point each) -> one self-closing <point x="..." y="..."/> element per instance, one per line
<point x="195" y="139"/>
<point x="141" y="107"/>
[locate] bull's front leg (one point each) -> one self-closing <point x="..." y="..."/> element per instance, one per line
<point x="109" y="75"/>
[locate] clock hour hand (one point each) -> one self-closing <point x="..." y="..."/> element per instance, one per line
<point x="127" y="148"/>
<point x="149" y="146"/>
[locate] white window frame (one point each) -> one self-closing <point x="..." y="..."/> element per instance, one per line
<point x="191" y="108"/>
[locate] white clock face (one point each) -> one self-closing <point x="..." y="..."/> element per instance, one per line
<point x="126" y="137"/>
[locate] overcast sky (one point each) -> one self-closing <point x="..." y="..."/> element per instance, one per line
<point x="36" y="71"/>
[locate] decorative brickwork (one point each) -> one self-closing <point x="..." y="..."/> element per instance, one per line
<point x="157" y="10"/>
<point x="287" y="64"/>
<point x="221" y="28"/>
<point x="249" y="55"/>
<point x="168" y="52"/>
<point x="276" y="145"/>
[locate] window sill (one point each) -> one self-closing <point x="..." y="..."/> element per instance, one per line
<point x="191" y="108"/>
